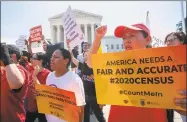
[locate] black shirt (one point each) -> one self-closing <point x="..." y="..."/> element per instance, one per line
<point x="88" y="79"/>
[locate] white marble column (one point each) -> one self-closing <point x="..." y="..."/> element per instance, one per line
<point x="85" y="33"/>
<point x="55" y="34"/>
<point x="58" y="34"/>
<point x="92" y="33"/>
<point x="52" y="33"/>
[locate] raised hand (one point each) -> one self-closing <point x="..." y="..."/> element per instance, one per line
<point x="101" y="31"/>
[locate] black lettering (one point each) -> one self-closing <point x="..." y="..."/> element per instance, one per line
<point x="140" y="71"/>
<point x="143" y="80"/>
<point x="151" y="70"/>
<point x="131" y="80"/>
<point x="162" y="59"/>
<point x="134" y="61"/>
<point x="149" y="80"/>
<point x="142" y="61"/>
<point x="137" y="81"/>
<point x="160" y="70"/>
<point x="174" y="69"/>
<point x="126" y="82"/>
<point x="157" y="59"/>
<point x="170" y="79"/>
<point x="145" y="70"/>
<point x="164" y="80"/>
<point x="121" y="80"/>
<point x="167" y="69"/>
<point x="146" y="60"/>
<point x="130" y="71"/>
<point x="157" y="80"/>
<point x="169" y="59"/>
<point x="122" y="62"/>
<point x="118" y="72"/>
<point x="117" y="80"/>
<point x="180" y="67"/>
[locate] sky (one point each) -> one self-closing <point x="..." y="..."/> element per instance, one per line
<point x="17" y="17"/>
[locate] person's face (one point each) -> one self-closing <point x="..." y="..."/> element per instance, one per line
<point x="58" y="61"/>
<point x="172" y="40"/>
<point x="85" y="46"/>
<point x="134" y="40"/>
<point x="85" y="56"/>
<point x="44" y="46"/>
<point x="35" y="61"/>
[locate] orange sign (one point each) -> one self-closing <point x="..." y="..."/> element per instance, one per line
<point x="145" y="78"/>
<point x="58" y="102"/>
<point x="36" y="34"/>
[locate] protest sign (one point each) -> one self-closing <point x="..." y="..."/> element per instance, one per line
<point x="20" y="43"/>
<point x="72" y="30"/>
<point x="57" y="102"/>
<point x="36" y="34"/>
<point x="145" y="78"/>
<point x="37" y="47"/>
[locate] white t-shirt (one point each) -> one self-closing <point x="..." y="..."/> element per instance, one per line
<point x="80" y="58"/>
<point x="70" y="82"/>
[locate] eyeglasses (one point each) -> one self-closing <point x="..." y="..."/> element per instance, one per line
<point x="171" y="40"/>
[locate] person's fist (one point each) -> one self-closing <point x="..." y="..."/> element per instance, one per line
<point x="101" y="31"/>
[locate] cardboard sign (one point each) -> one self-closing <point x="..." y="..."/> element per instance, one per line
<point x="37" y="47"/>
<point x="58" y="102"/>
<point x="20" y="43"/>
<point x="72" y="30"/>
<point x="145" y="78"/>
<point x="36" y="34"/>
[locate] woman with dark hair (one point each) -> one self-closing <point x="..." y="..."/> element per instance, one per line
<point x="64" y="79"/>
<point x="175" y="39"/>
<point x="40" y="74"/>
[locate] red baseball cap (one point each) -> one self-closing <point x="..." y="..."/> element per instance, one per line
<point x="121" y="30"/>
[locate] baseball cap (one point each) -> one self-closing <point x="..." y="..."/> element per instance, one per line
<point x="121" y="30"/>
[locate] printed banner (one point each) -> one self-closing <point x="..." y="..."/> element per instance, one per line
<point x="20" y="43"/>
<point x="148" y="78"/>
<point x="58" y="102"/>
<point x="36" y="34"/>
<point x="72" y="30"/>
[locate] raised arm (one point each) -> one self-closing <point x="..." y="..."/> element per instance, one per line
<point x="27" y="43"/>
<point x="74" y="60"/>
<point x="14" y="76"/>
<point x="100" y="33"/>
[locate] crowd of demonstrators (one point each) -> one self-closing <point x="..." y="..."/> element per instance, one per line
<point x="21" y="70"/>
<point x="14" y="85"/>
<point x="62" y="78"/>
<point x="136" y="36"/>
<point x="86" y="74"/>
<point x="40" y="74"/>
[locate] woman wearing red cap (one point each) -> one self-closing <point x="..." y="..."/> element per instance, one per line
<point x="136" y="36"/>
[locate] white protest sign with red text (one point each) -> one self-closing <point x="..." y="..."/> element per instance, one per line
<point x="36" y="34"/>
<point x="72" y="30"/>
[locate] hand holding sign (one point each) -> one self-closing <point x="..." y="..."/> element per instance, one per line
<point x="101" y="31"/>
<point x="181" y="102"/>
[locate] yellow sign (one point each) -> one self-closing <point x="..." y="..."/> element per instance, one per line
<point x="144" y="78"/>
<point x="57" y="102"/>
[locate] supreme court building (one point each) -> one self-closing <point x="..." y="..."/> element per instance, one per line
<point x="87" y="21"/>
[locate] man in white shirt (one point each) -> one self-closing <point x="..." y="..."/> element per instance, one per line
<point x="64" y="79"/>
<point x="85" y="47"/>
